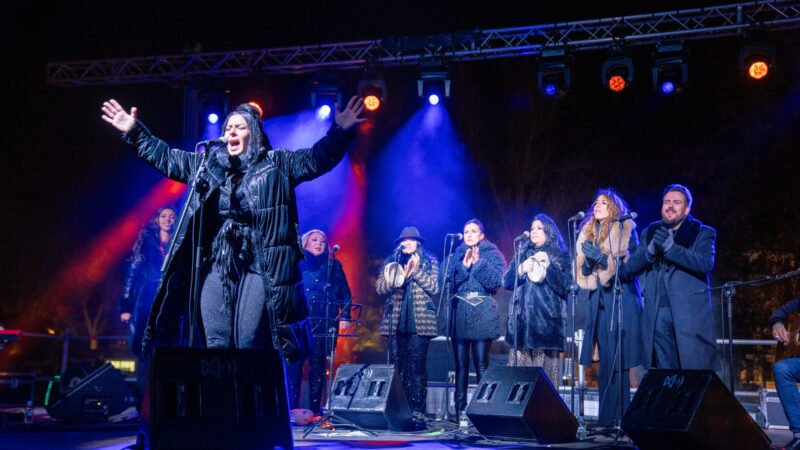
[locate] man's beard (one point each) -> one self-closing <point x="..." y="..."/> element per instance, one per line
<point x="672" y="222"/>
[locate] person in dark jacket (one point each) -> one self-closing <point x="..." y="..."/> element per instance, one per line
<point x="537" y="314"/>
<point x="475" y="273"/>
<point x="787" y="372"/>
<point x="410" y="281"/>
<point x="675" y="261"/>
<point x="251" y="294"/>
<point x="144" y="274"/>
<point x="601" y="243"/>
<point x="329" y="298"/>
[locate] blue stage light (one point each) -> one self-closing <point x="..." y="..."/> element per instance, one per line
<point x="213" y="118"/>
<point x="550" y="89"/>
<point x="433" y="99"/>
<point x="324" y="112"/>
<point x="667" y="87"/>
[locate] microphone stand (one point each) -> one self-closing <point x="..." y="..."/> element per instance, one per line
<point x="446" y="255"/>
<point x="618" y="310"/>
<point x="514" y="300"/>
<point x="390" y="337"/>
<point x="571" y="334"/>
<point x="728" y="290"/>
<point x="199" y="186"/>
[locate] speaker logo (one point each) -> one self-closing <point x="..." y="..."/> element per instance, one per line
<point x="673" y="381"/>
<point x="217" y="368"/>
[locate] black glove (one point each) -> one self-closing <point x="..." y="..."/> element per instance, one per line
<point x="659" y="237"/>
<point x="594" y="254"/>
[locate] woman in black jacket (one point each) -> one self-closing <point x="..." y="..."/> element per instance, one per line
<point x="537" y="313"/>
<point x="144" y="274"/>
<point x="250" y="295"/>
<point x="475" y="270"/>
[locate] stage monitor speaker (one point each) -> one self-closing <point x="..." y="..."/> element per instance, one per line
<point x="689" y="409"/>
<point x="219" y="399"/>
<point x="520" y="403"/>
<point x="370" y="395"/>
<point x="100" y="394"/>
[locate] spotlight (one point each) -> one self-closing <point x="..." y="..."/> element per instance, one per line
<point x="553" y="74"/>
<point x="324" y="94"/>
<point x="433" y="82"/>
<point x="757" y="56"/>
<point x="617" y="71"/>
<point x="213" y="118"/>
<point x="670" y="70"/>
<point x="373" y="90"/>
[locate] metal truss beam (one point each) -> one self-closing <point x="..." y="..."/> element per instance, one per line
<point x="643" y="29"/>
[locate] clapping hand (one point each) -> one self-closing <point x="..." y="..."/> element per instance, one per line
<point x="411" y="265"/>
<point x="594" y="254"/>
<point x="656" y="244"/>
<point x="348" y="117"/>
<point x="116" y="115"/>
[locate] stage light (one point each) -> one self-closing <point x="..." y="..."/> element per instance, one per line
<point x="670" y="70"/>
<point x="433" y="81"/>
<point x="213" y="118"/>
<point x="258" y="107"/>
<point x="373" y="90"/>
<point x="617" y="70"/>
<point x="325" y="93"/>
<point x="553" y="74"/>
<point x="757" y="55"/>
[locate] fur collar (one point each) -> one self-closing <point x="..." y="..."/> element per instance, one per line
<point x="609" y="246"/>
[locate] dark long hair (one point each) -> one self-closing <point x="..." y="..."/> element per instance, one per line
<point x="150" y="231"/>
<point x="258" y="140"/>
<point x="554" y="245"/>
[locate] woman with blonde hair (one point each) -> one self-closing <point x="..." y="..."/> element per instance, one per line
<point x="603" y="242"/>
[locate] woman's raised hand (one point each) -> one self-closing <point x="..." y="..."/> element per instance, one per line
<point x="116" y="115"/>
<point x="349" y="115"/>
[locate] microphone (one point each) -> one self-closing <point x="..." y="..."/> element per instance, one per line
<point x="456" y="236"/>
<point x="218" y="142"/>
<point x="399" y="248"/>
<point x="523" y="236"/>
<point x="631" y="216"/>
<point x="335" y="248"/>
<point x="577" y="217"/>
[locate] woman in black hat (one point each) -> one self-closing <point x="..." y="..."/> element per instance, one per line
<point x="475" y="271"/>
<point x="409" y="280"/>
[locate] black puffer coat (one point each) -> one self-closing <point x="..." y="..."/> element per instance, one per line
<point x="269" y="183"/>
<point x="541" y="315"/>
<point x="479" y="322"/>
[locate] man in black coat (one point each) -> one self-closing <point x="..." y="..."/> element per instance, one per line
<point x="674" y="260"/>
<point x="787" y="372"/>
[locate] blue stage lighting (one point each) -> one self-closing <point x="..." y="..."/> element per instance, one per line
<point x="213" y="118"/>
<point x="550" y="89"/>
<point x="324" y="112"/>
<point x="667" y="87"/>
<point x="433" y="99"/>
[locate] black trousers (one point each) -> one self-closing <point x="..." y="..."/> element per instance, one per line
<point x="317" y="365"/>
<point x="462" y="350"/>
<point x="409" y="354"/>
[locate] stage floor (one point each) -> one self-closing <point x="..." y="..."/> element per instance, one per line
<point x="439" y="436"/>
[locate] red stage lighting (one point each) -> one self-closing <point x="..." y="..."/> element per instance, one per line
<point x="372" y="102"/>
<point x="617" y="83"/>
<point x="758" y="69"/>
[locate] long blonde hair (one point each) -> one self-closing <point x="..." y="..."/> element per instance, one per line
<point x="616" y="208"/>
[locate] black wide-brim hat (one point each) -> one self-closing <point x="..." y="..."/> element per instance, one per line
<point x="409" y="232"/>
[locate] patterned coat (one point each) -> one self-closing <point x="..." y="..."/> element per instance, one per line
<point x="424" y="285"/>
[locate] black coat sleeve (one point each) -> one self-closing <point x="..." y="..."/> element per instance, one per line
<point x="779" y="315"/>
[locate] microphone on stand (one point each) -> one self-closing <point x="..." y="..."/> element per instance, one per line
<point x="523" y="236"/>
<point x="335" y="248"/>
<point x="577" y="217"/>
<point x="456" y="236"/>
<point x="218" y="142"/>
<point x="631" y="216"/>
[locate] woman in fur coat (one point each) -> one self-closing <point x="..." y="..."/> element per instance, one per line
<point x="409" y="279"/>
<point x="601" y="242"/>
<point x="475" y="271"/>
<point x="537" y="313"/>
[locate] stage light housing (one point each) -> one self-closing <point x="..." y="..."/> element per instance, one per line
<point x="670" y="69"/>
<point x="617" y="73"/>
<point x="553" y="74"/>
<point x="213" y="118"/>
<point x="373" y="90"/>
<point x="325" y="93"/>
<point x="433" y="82"/>
<point x="757" y="60"/>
